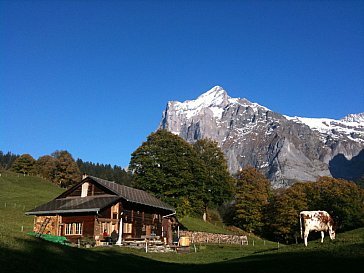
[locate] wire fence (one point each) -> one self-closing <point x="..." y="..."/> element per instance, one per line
<point x="13" y="214"/>
<point x="11" y="205"/>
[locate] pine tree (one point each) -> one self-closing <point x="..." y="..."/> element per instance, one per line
<point x="116" y="173"/>
<point x="7" y="160"/>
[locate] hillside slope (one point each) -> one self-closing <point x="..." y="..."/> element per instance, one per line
<point x="18" y="194"/>
<point x="22" y="253"/>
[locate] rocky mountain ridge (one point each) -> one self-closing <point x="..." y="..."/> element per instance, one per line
<point x="286" y="149"/>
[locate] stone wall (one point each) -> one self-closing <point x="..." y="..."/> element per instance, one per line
<point x="213" y="238"/>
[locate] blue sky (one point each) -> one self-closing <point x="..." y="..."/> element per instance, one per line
<point x="93" y="77"/>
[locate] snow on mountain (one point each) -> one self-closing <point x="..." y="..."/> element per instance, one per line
<point x="215" y="99"/>
<point x="351" y="126"/>
<point x="212" y="99"/>
<point x="359" y="118"/>
<point x="285" y="148"/>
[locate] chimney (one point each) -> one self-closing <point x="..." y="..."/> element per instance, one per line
<point x="84" y="176"/>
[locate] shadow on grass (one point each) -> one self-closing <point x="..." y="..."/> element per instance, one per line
<point x="39" y="256"/>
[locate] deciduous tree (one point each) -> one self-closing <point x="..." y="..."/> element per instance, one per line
<point x="344" y="200"/>
<point x="67" y="171"/>
<point x="46" y="167"/>
<point x="216" y="179"/>
<point x="168" y="166"/>
<point x="23" y="164"/>
<point x="282" y="216"/>
<point x="252" y="198"/>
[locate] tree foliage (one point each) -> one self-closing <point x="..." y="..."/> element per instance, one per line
<point x="275" y="214"/>
<point x="67" y="172"/>
<point x="217" y="181"/>
<point x="187" y="176"/>
<point x="46" y="167"/>
<point x="167" y="166"/>
<point x="61" y="169"/>
<point x="282" y="216"/>
<point x="23" y="164"/>
<point x="6" y="160"/>
<point x="343" y="200"/>
<point x="105" y="171"/>
<point x="252" y="198"/>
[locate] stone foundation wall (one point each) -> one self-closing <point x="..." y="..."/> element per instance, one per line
<point x="212" y="238"/>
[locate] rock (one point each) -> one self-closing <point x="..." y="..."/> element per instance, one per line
<point x="286" y="149"/>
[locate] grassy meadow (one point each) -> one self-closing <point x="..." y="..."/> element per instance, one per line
<point x="20" y="252"/>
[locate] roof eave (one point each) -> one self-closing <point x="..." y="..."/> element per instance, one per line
<point x="148" y="205"/>
<point x="46" y="212"/>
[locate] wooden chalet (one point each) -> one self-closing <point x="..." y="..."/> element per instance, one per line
<point x="95" y="205"/>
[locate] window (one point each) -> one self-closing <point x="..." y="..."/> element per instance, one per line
<point x="105" y="226"/>
<point x="78" y="228"/>
<point x="84" y="189"/>
<point x="68" y="229"/>
<point x="127" y="228"/>
<point x="73" y="229"/>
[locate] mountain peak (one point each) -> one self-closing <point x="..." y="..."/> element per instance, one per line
<point x="354" y="118"/>
<point x="285" y="149"/>
<point x="218" y="90"/>
<point x="214" y="97"/>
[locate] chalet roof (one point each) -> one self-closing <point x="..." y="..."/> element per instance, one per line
<point x="133" y="195"/>
<point x="72" y="204"/>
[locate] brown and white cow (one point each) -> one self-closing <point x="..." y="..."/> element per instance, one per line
<point x="317" y="220"/>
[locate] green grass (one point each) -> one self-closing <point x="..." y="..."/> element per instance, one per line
<point x="18" y="194"/>
<point x="195" y="224"/>
<point x="20" y="252"/>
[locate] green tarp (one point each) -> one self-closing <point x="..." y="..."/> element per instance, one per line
<point x="55" y="239"/>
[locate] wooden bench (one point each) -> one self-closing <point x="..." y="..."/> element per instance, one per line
<point x="105" y="241"/>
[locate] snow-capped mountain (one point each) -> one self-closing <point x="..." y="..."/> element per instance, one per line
<point x="286" y="149"/>
<point x="350" y="126"/>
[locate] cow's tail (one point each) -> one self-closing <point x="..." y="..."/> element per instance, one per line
<point x="301" y="226"/>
